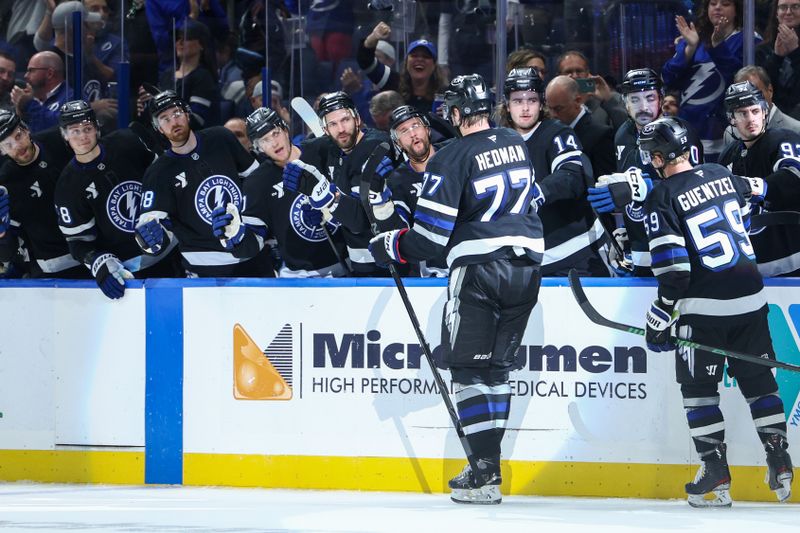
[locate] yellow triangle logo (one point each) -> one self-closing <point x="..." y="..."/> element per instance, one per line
<point x="254" y="375"/>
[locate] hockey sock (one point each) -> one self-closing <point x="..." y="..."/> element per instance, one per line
<point x="480" y="410"/>
<point x="768" y="416"/>
<point x="502" y="396"/>
<point x="706" y="423"/>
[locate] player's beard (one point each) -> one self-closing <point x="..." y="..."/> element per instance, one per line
<point x="26" y="155"/>
<point x="179" y="138"/>
<point x="349" y="142"/>
<point x="643" y="118"/>
<point x="418" y="152"/>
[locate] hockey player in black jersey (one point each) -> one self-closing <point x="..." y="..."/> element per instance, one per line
<point x="625" y="190"/>
<point x="773" y="155"/>
<point x="572" y="233"/>
<point x="302" y="241"/>
<point x="337" y="197"/>
<point x="477" y="207"/>
<point x="202" y="171"/>
<point x="709" y="284"/>
<point x="97" y="200"/>
<point x="27" y="186"/>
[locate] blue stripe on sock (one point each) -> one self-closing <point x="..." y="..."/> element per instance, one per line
<point x="766" y="402"/>
<point x="703" y="412"/>
<point x="482" y="409"/>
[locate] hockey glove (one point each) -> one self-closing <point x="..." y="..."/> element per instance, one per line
<point x="312" y="217"/>
<point x="538" y="197"/>
<point x="619" y="189"/>
<point x="110" y="275"/>
<point x="305" y="179"/>
<point x="379" y="193"/>
<point x="758" y="189"/>
<point x="5" y="210"/>
<point x="150" y="235"/>
<point x="660" y="318"/>
<point x="621" y="265"/>
<point x="385" y="247"/>
<point x="226" y="223"/>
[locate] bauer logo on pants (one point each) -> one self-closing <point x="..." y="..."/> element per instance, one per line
<point x="262" y="374"/>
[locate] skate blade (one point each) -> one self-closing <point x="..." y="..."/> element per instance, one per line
<point x="486" y="495"/>
<point x="784" y="492"/>
<point x="721" y="498"/>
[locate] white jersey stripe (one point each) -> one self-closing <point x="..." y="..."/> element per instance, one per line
<point x="574" y="245"/>
<point x="712" y="307"/>
<point x="440" y="208"/>
<point x="486" y="246"/>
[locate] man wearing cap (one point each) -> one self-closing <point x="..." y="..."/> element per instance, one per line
<point x="97" y="198"/>
<point x="185" y="189"/>
<point x="27" y="185"/>
<point x="38" y="103"/>
<point x="309" y="247"/>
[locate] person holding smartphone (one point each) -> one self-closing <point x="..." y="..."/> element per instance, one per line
<point x="606" y="105"/>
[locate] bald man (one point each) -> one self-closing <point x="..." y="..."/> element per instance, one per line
<point x="564" y="102"/>
<point x="38" y="103"/>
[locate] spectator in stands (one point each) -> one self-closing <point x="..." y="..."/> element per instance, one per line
<point x="239" y="128"/>
<point x="525" y="57"/>
<point x="330" y="23"/>
<point x="779" y="54"/>
<point x="420" y="79"/>
<point x="385" y="53"/>
<point x="195" y="79"/>
<point x="38" y="103"/>
<point x="606" y="105"/>
<point x="8" y="70"/>
<point x="776" y="119"/>
<point x="671" y="104"/>
<point x="381" y="107"/>
<point x="276" y="98"/>
<point x="107" y="46"/>
<point x="706" y="59"/>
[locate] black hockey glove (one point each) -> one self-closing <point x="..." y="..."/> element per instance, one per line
<point x="660" y="318"/>
<point x="110" y="275"/>
<point x="385" y="247"/>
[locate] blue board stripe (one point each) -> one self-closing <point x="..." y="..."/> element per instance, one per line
<point x="163" y="402"/>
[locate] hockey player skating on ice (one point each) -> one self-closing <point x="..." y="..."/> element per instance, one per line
<point x="572" y="232"/>
<point x="202" y="171"/>
<point x="709" y="284"/>
<point x="289" y="217"/>
<point x="97" y="199"/>
<point x="773" y="155"/>
<point x="476" y="206"/>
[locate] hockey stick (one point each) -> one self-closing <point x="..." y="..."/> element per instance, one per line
<point x="306" y="113"/>
<point x="606" y="219"/>
<point x="593" y="315"/>
<point x="374" y="160"/>
<point x="329" y="237"/>
<point x="774" y="218"/>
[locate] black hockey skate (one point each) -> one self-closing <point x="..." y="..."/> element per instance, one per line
<point x="779" y="467"/>
<point x="714" y="478"/>
<point x="465" y="489"/>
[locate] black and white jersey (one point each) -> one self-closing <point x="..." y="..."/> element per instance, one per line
<point x="345" y="172"/>
<point x="475" y="203"/>
<point x="626" y="144"/>
<point x="186" y="188"/>
<point x="97" y="202"/>
<point x="777" y="247"/>
<point x="302" y="243"/>
<point x="31" y="189"/>
<point x="702" y="255"/>
<point x="572" y="231"/>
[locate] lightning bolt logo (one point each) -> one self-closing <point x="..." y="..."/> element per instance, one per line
<point x="702" y="81"/>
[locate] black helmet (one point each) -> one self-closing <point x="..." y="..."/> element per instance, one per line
<point x="333" y="101"/>
<point x="641" y="79"/>
<point x="262" y="121"/>
<point x="523" y="79"/>
<point x="742" y="94"/>
<point x="403" y="113"/>
<point x="163" y="101"/>
<point x="666" y="136"/>
<point x="469" y="95"/>
<point x="8" y="123"/>
<point x="75" y="112"/>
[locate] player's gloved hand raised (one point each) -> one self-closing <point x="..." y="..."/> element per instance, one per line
<point x="385" y="247"/>
<point x="303" y="178"/>
<point x="660" y="318"/>
<point x="758" y="189"/>
<point x="621" y="265"/>
<point x="150" y="236"/>
<point x="311" y="216"/>
<point x="5" y="210"/>
<point x="379" y="193"/>
<point x="617" y="190"/>
<point x="110" y="275"/>
<point x="226" y="223"/>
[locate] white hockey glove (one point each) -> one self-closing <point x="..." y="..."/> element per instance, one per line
<point x="621" y="265"/>
<point x="110" y="275"/>
<point x="659" y="320"/>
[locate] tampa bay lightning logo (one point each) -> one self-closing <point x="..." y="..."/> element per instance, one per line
<point x="216" y="191"/>
<point x="123" y="205"/>
<point x="91" y="90"/>
<point x="307" y="222"/>
<point x="635" y="211"/>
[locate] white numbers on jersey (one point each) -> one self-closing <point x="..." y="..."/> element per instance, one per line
<point x="694" y="154"/>
<point x="719" y="247"/>
<point x="651" y="223"/>
<point x="497" y="186"/>
<point x="64" y="214"/>
<point x="430" y="183"/>
<point x="147" y="199"/>
<point x="790" y="150"/>
<point x="569" y="142"/>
